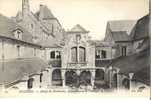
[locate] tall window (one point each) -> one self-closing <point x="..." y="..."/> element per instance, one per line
<point x="103" y="54"/>
<point x="78" y="54"/>
<point x="74" y="54"/>
<point x="124" y="51"/>
<point x="81" y="54"/>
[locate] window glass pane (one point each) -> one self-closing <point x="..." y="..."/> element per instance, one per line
<point x="81" y="54"/>
<point x="103" y="54"/>
<point x="74" y="54"/>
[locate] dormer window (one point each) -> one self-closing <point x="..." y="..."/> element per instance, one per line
<point x="18" y="34"/>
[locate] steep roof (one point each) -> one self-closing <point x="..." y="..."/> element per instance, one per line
<point x="122" y="25"/>
<point x="141" y="28"/>
<point x="120" y="36"/>
<point x="15" y="69"/>
<point x="8" y="26"/>
<point x="78" y="29"/>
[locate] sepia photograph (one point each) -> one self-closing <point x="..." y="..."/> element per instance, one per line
<point x="50" y="47"/>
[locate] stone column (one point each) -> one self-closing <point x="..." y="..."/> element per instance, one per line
<point x="36" y="82"/>
<point x="63" y="78"/>
<point x="110" y="76"/>
<point x="49" y="77"/>
<point x="118" y="86"/>
<point x="130" y="78"/>
<point x="92" y="77"/>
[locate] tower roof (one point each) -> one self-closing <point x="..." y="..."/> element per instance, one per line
<point x="44" y="13"/>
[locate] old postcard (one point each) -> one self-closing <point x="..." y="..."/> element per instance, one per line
<point x="77" y="47"/>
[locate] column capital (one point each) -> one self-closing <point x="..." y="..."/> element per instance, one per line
<point x="131" y="75"/>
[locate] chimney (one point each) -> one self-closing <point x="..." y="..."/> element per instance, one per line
<point x="25" y="7"/>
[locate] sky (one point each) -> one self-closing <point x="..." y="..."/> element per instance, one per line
<point x="91" y="14"/>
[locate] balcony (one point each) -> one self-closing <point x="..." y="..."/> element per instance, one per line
<point x="55" y="63"/>
<point x="76" y="64"/>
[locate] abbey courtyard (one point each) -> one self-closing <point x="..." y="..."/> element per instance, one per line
<point x="36" y="52"/>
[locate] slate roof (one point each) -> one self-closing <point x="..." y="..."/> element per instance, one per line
<point x="8" y="26"/>
<point x="102" y="43"/>
<point x="120" y="30"/>
<point x="120" y="36"/>
<point x="50" y="42"/>
<point x="16" y="69"/>
<point x="137" y="63"/>
<point x="122" y="26"/>
<point x="78" y="29"/>
<point x="141" y="28"/>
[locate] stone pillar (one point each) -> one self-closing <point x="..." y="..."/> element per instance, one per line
<point x="92" y="77"/>
<point x="110" y="76"/>
<point x="117" y="71"/>
<point x="36" y="82"/>
<point x="63" y="78"/>
<point x="45" y="79"/>
<point x="130" y="78"/>
<point x="49" y="77"/>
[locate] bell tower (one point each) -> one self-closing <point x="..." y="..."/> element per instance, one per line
<point x="25" y="7"/>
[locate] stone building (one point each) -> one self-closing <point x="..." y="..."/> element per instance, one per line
<point x="118" y="32"/>
<point x="20" y="57"/>
<point x="42" y="54"/>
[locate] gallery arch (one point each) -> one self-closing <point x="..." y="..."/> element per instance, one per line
<point x="56" y="77"/>
<point x="99" y="77"/>
<point x="114" y="82"/>
<point x="126" y="83"/>
<point x="71" y="78"/>
<point x="85" y="78"/>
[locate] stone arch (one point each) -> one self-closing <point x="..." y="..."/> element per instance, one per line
<point x="99" y="76"/>
<point x="85" y="78"/>
<point x="71" y="78"/>
<point x="126" y="83"/>
<point x="56" y="77"/>
<point x="114" y="81"/>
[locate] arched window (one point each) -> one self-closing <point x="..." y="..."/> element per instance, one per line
<point x="81" y="54"/>
<point x="74" y="54"/>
